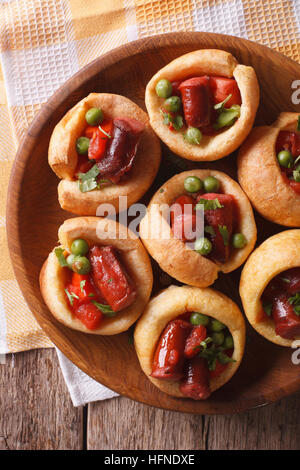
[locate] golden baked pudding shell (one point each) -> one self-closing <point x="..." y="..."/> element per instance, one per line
<point x="168" y="305"/>
<point x="275" y="255"/>
<point x="259" y="173"/>
<point x="197" y="63"/>
<point x="176" y="257"/>
<point x="98" y="231"/>
<point x="62" y="156"/>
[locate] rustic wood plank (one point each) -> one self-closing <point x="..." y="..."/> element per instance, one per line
<point x="35" y="407"/>
<point x="121" y="423"/>
<point x="274" y="427"/>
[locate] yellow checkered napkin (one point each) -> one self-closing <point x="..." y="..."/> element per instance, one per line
<point x="44" y="42"/>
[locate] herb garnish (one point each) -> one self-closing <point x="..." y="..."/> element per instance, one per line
<point x="213" y="354"/>
<point x="60" y="256"/>
<point x="106" y="309"/>
<point x="210" y="230"/>
<point x="296" y="175"/>
<point x="82" y="284"/>
<point x="224" y="232"/>
<point x="105" y="133"/>
<point x="295" y="300"/>
<point x="220" y="106"/>
<point x="267" y="306"/>
<point x="297" y="159"/>
<point x="206" y="342"/>
<point x="209" y="204"/>
<point x="87" y="181"/>
<point x="298" y="124"/>
<point x="71" y="296"/>
<point x="176" y="122"/>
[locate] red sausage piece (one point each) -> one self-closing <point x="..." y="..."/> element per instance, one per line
<point x="221" y="87"/>
<point x="184" y="221"/>
<point x="183" y="204"/>
<point x="168" y="360"/>
<point x="287" y="323"/>
<point x="196" y="100"/>
<point x="111" y="278"/>
<point x="290" y="280"/>
<point x="122" y="147"/>
<point x="197" y="335"/>
<point x="195" y="383"/>
<point x="83" y="289"/>
<point x="175" y="88"/>
<point x="89" y="315"/>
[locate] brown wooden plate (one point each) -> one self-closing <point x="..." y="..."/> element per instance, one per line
<point x="34" y="215"/>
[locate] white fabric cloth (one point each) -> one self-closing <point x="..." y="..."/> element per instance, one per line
<point x="83" y="389"/>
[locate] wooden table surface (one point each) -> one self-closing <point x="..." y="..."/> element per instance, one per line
<point x="36" y="413"/>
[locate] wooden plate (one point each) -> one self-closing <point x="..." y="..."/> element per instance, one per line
<point x="33" y="217"/>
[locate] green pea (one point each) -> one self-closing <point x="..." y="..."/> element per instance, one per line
<point x="239" y="240"/>
<point x="79" y="247"/>
<point x="211" y="184"/>
<point x="203" y="246"/>
<point x="199" y="319"/>
<point x="193" y="184"/>
<point x="216" y="325"/>
<point x="94" y="116"/>
<point x="173" y="104"/>
<point x="228" y="342"/>
<point x="82" y="145"/>
<point x="193" y="135"/>
<point x="285" y="159"/>
<point x="70" y="260"/>
<point x="81" y="265"/>
<point x="163" y="88"/>
<point x="218" y="338"/>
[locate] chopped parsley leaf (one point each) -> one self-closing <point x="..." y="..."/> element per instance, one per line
<point x="60" y="256"/>
<point x="209" y="204"/>
<point x="71" y="296"/>
<point x="224" y="232"/>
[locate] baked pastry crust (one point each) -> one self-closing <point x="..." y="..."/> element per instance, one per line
<point x="172" y="254"/>
<point x="206" y="62"/>
<point x="174" y="301"/>
<point x="63" y="158"/>
<point x="96" y="230"/>
<point x="275" y="255"/>
<point x="274" y="198"/>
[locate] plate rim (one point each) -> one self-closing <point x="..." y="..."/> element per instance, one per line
<point x="23" y="154"/>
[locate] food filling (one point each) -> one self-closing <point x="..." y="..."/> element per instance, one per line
<point x="288" y="155"/>
<point x="281" y="302"/>
<point x="97" y="285"/>
<point x="221" y="219"/>
<point x="107" y="149"/>
<point x="199" y="105"/>
<point x="193" y="349"/>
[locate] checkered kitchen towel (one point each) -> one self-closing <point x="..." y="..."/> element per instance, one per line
<point x="44" y="42"/>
